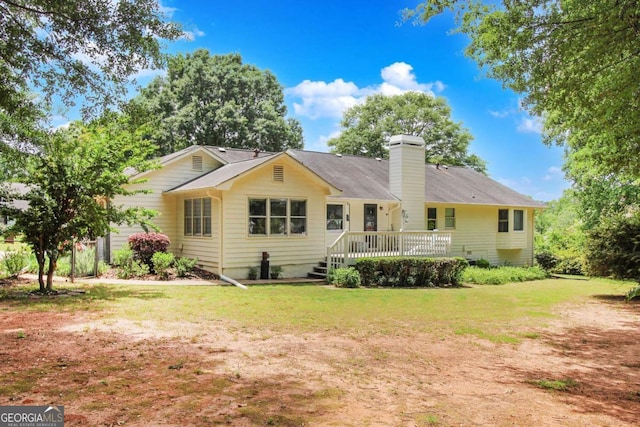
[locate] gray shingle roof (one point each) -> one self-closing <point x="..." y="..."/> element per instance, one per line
<point x="368" y="178"/>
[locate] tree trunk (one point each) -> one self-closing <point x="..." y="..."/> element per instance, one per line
<point x="40" y="259"/>
<point x="53" y="261"/>
<point x="39" y="251"/>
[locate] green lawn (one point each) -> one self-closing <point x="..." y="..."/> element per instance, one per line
<point x="491" y="312"/>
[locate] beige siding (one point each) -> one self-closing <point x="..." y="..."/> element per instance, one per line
<point x="476" y="234"/>
<point x="205" y="248"/>
<point x="406" y="178"/>
<point x="296" y="254"/>
<point x="158" y="181"/>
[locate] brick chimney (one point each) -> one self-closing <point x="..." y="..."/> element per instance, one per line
<point x="407" y="178"/>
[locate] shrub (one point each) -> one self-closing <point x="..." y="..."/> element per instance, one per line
<point x="122" y="256"/>
<point x="127" y="266"/>
<point x="345" y="278"/>
<point x="15" y="262"/>
<point x="547" y="260"/>
<point x="483" y="263"/>
<point x="572" y="264"/>
<point x="135" y="269"/>
<point x="162" y="261"/>
<point x="144" y="245"/>
<point x="63" y="266"/>
<point x="502" y="275"/>
<point x="410" y="271"/>
<point x="633" y="293"/>
<point x="184" y="265"/>
<point x="613" y="247"/>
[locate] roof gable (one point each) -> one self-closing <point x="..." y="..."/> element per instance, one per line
<point x="224" y="177"/>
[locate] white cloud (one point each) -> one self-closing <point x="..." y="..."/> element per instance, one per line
<point x="550" y="187"/>
<point x="500" y="114"/>
<point x="321" y="143"/>
<point x="166" y="10"/>
<point x="321" y="99"/>
<point x="530" y="125"/>
<point x="554" y="172"/>
<point x="192" y="35"/>
<point x="149" y="72"/>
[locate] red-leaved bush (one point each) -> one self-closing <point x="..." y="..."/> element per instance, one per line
<point x="144" y="245"/>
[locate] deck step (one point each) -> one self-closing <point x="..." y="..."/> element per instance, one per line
<point x="319" y="271"/>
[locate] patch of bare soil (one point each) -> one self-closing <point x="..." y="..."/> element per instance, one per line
<point x="109" y="373"/>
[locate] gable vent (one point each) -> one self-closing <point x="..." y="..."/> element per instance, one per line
<point x="196" y="163"/>
<point x="278" y="173"/>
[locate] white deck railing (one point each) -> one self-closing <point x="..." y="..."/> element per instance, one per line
<point x="358" y="244"/>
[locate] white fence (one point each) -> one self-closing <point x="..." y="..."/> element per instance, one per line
<point x="358" y="244"/>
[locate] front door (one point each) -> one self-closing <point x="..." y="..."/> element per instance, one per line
<point x="370" y="217"/>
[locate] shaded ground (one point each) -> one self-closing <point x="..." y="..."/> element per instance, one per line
<point x="108" y="372"/>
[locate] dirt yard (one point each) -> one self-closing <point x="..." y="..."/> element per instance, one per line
<point x="109" y="373"/>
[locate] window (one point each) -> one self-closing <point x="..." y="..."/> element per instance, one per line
<point x="335" y="217"/>
<point x="449" y="218"/>
<point x="277" y="217"/>
<point x="197" y="217"/>
<point x="298" y="221"/>
<point x="432" y="218"/>
<point x="518" y="220"/>
<point x="503" y="220"/>
<point x="278" y="223"/>
<point x="258" y="216"/>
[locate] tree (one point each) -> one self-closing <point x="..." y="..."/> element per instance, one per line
<point x="215" y="100"/>
<point x="575" y="61"/>
<point x="613" y="247"/>
<point x="71" y="181"/>
<point x="68" y="47"/>
<point x="559" y="237"/>
<point x="367" y="128"/>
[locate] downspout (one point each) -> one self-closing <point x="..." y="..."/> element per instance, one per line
<point x="220" y="235"/>
<point x="533" y="236"/>
<point x="233" y="282"/>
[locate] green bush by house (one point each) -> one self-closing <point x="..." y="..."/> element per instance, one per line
<point x="403" y="272"/>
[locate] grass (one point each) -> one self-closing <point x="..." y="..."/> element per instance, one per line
<point x="502" y="275"/>
<point x="555" y="385"/>
<point x="493" y="313"/>
<point x="14" y="247"/>
<point x="500" y="314"/>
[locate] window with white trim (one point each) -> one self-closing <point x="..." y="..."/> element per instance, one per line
<point x="503" y="220"/>
<point x="277" y="217"/>
<point x="450" y="218"/>
<point x="197" y="217"/>
<point x="518" y="220"/>
<point x="432" y="218"/>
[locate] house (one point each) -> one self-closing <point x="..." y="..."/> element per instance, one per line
<point x="19" y="190"/>
<point x="229" y="206"/>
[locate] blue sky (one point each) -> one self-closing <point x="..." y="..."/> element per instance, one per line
<point x="329" y="55"/>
